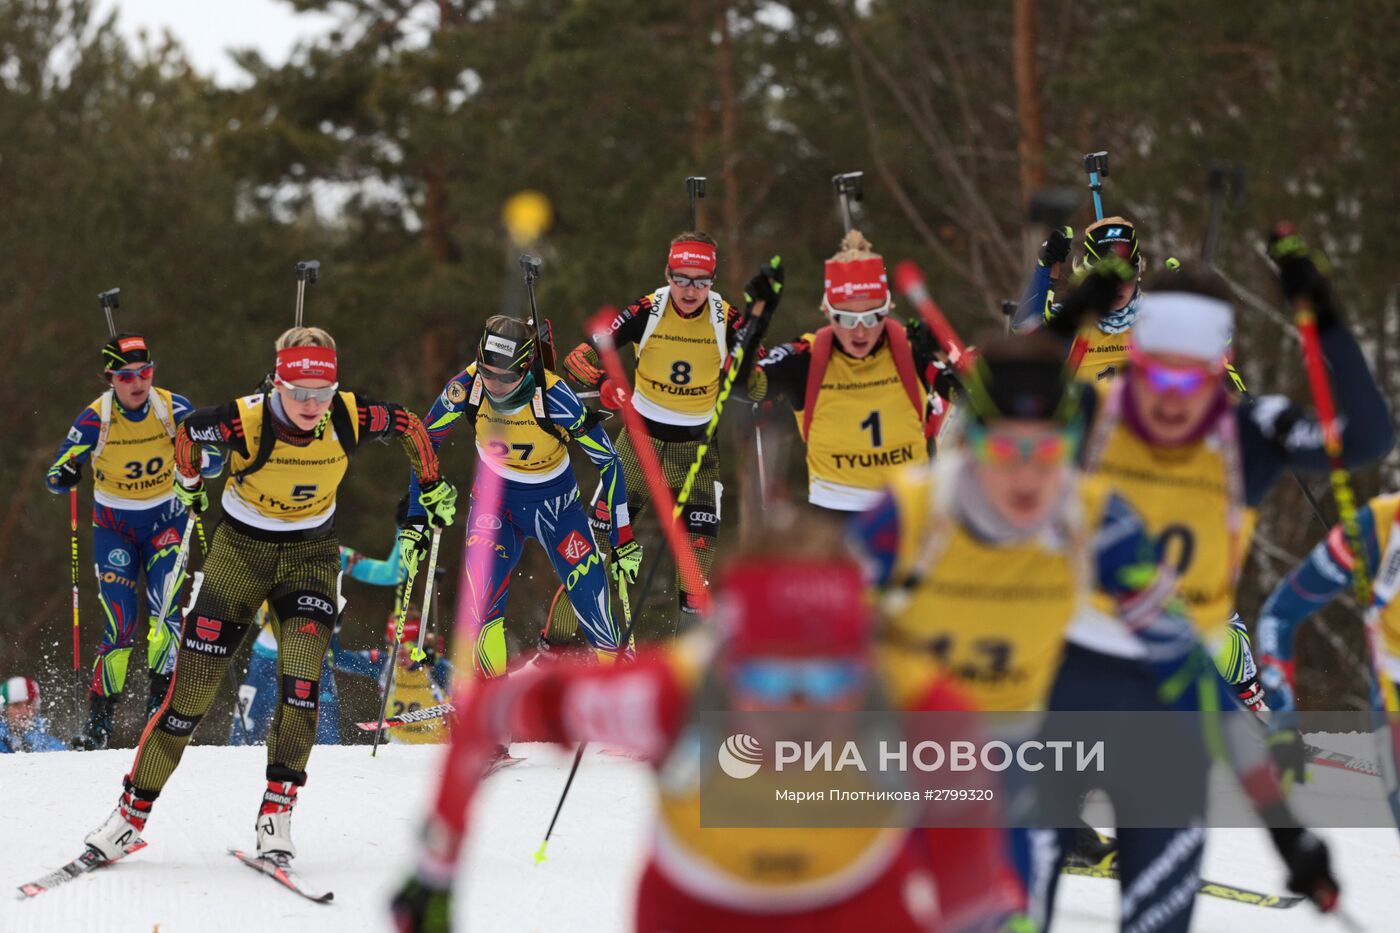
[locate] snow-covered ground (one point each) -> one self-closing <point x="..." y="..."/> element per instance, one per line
<point x="355" y="824"/>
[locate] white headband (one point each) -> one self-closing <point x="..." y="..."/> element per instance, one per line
<point x="1184" y="323"/>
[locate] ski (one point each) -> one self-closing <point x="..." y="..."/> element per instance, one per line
<point x="1330" y="759"/>
<point x="500" y="763"/>
<point x="89" y="861"/>
<point x="277" y="868"/>
<point x="410" y="717"/>
<point x="1209" y="888"/>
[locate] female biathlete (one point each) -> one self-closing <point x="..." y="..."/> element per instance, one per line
<point x="288" y="453"/>
<point x="859" y="386"/>
<point x="128" y="432"/>
<point x="522" y="433"/>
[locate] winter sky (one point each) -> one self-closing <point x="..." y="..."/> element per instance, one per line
<point x="207" y="28"/>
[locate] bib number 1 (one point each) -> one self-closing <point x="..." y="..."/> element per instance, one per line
<point x="872" y="424"/>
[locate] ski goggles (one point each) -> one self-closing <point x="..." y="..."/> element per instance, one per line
<point x="685" y="281"/>
<point x="1180" y="380"/>
<point x="128" y="376"/>
<point x="852" y="319"/>
<point x="302" y="394"/>
<point x="1004" y="449"/>
<point x="779" y="681"/>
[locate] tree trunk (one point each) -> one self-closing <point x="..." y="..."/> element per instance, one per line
<point x="1030" y="147"/>
<point x="732" y="246"/>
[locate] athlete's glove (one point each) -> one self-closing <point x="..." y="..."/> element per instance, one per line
<point x="413" y="546"/>
<point x="1094" y="295"/>
<point x="1309" y="866"/>
<point x="439" y="498"/>
<point x="627" y="562"/>
<point x="921" y="340"/>
<point x="581" y="364"/>
<point x="194" y="498"/>
<point x="64" y="475"/>
<point x="1288" y="751"/>
<point x="611" y="396"/>
<point x="1302" y="274"/>
<point x="766" y="286"/>
<point x="1055" y="249"/>
<point x="420" y="908"/>
<point x="945" y="380"/>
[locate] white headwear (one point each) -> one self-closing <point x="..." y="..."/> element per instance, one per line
<point x="1184" y="323"/>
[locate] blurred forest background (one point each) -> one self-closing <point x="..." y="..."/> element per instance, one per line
<point x="387" y="148"/>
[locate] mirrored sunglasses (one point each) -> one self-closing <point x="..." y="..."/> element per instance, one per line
<point x="685" y="281"/>
<point x="1004" y="449"/>
<point x="1181" y="380"/>
<point x="781" y="680"/>
<point x="128" y="376"/>
<point x="300" y="394"/>
<point x="851" y="319"/>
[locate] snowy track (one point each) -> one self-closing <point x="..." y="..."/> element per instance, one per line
<point x="354" y="827"/>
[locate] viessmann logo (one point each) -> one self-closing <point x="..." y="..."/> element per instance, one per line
<point x="740" y="756"/>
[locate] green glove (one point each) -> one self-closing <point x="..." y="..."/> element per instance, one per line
<point x="195" y="498"/>
<point x="439" y="498"/>
<point x="413" y="547"/>
<point x="627" y="561"/>
<point x="420" y="908"/>
<point x="1290" y="756"/>
<point x="766" y="286"/>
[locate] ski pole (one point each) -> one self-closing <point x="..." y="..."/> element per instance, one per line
<point x="582" y="746"/>
<point x="1319" y="382"/>
<point x="73" y="567"/>
<point x="307" y="272"/>
<point x="429" y="585"/>
<point x="559" y="807"/>
<point x="172" y="582"/>
<point x="668" y="511"/>
<point x="388" y="689"/>
<point x="1096" y="164"/>
<point x="398" y="634"/>
<point x="695" y="190"/>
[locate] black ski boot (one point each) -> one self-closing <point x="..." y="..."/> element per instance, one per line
<point x="160" y="683"/>
<point x="99" y="725"/>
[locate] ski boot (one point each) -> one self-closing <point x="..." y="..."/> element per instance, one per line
<point x="274" y="824"/>
<point x="99" y="725"/>
<point x="121" y="833"/>
<point x="160" y="685"/>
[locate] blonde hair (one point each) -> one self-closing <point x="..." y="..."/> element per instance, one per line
<point x="305" y="337"/>
<point x="854" y="246"/>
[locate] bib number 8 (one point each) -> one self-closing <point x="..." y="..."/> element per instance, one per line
<point x="680" y="373"/>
